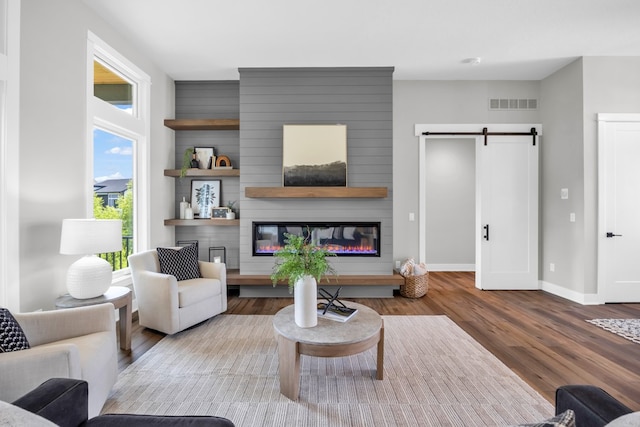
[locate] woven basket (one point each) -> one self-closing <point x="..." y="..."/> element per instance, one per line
<point x="415" y="286"/>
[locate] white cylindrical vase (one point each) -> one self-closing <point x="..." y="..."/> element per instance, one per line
<point x="305" y="301"/>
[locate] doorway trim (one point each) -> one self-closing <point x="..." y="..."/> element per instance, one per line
<point x="419" y="129"/>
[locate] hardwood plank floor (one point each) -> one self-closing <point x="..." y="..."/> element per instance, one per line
<point x="543" y="338"/>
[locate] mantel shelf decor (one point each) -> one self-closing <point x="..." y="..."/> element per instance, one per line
<point x="315" y="192"/>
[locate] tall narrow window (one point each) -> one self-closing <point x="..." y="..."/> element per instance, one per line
<point x="118" y="112"/>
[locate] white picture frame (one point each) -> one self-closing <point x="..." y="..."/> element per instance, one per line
<point x="205" y="195"/>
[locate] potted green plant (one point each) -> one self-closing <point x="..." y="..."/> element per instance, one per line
<point x="231" y="214"/>
<point x="188" y="159"/>
<point x="302" y="264"/>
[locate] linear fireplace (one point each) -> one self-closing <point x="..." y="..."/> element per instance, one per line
<point x="342" y="238"/>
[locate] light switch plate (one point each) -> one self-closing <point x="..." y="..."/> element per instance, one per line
<point x="564" y="193"/>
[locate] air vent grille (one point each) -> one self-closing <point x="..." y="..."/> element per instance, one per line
<point x="512" y="104"/>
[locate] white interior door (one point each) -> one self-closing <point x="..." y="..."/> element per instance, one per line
<point x="507" y="213"/>
<point x="619" y="207"/>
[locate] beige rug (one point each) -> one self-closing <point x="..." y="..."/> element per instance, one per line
<point x="435" y="375"/>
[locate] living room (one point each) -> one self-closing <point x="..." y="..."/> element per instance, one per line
<point x="52" y="113"/>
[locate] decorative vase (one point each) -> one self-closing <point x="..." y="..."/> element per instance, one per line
<point x="231" y="215"/>
<point x="305" y="301"/>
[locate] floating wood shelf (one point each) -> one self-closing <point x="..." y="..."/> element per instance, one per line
<point x="202" y="172"/>
<point x="202" y="124"/>
<point x="313" y="192"/>
<point x="208" y="221"/>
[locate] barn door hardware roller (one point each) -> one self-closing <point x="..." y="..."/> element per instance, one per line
<point x="486" y="134"/>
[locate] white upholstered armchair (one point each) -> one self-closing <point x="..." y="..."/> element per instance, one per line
<point x="77" y="343"/>
<point x="168" y="305"/>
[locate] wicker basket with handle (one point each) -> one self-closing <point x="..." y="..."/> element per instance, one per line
<point x="415" y="286"/>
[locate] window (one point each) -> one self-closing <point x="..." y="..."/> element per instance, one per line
<point x="118" y="105"/>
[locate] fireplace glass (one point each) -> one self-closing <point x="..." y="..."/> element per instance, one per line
<point x="342" y="238"/>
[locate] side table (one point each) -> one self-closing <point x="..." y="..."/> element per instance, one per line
<point x="120" y="297"/>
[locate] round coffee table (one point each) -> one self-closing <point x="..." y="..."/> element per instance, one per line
<point x="329" y="338"/>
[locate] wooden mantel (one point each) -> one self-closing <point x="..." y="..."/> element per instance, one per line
<point x="315" y="192"/>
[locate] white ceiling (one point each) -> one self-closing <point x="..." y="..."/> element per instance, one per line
<point x="422" y="39"/>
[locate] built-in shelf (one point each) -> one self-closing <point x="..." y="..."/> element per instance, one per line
<point x="202" y="172"/>
<point x="313" y="192"/>
<point x="208" y="221"/>
<point x="203" y="124"/>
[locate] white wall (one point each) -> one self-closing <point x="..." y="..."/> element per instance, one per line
<point x="572" y="97"/>
<point x="52" y="146"/>
<point x="440" y="102"/>
<point x="450" y="193"/>
<point x="562" y="167"/>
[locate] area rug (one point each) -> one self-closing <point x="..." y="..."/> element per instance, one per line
<point x="626" y="328"/>
<point x="435" y="374"/>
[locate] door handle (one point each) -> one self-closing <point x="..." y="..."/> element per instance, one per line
<point x="609" y="234"/>
<point x="486" y="232"/>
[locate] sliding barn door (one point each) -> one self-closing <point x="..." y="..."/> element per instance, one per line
<point x="507" y="213"/>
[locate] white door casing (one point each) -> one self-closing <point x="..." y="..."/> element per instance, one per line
<point x="506" y="200"/>
<point x="618" y="207"/>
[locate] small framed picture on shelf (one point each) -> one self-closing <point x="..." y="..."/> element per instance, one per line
<point x="206" y="157"/>
<point x="219" y="212"/>
<point x="205" y="194"/>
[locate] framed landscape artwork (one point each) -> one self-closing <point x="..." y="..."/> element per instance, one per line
<point x="205" y="194"/>
<point x="314" y="155"/>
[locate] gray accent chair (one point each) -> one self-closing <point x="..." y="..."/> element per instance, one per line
<point x="77" y="343"/>
<point x="170" y="306"/>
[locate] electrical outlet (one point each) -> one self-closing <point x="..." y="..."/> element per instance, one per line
<point x="552" y="267"/>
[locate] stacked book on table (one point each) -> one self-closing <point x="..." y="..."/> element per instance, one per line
<point x="334" y="309"/>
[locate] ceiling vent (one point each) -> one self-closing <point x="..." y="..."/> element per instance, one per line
<point x="512" y="104"/>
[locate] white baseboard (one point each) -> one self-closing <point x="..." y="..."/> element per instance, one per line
<point x="562" y="292"/>
<point x="451" y="267"/>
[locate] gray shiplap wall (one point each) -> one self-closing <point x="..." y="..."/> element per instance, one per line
<point x="361" y="98"/>
<point x="209" y="100"/>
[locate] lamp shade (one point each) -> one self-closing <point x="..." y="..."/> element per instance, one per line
<point x="90" y="236"/>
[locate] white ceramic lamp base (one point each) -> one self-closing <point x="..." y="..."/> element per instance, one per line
<point x="89" y="277"/>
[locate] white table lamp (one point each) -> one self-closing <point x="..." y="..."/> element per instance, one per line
<point x="90" y="276"/>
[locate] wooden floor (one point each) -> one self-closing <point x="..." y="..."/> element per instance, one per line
<point x="541" y="337"/>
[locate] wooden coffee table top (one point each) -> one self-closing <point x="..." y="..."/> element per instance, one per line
<point x="364" y="325"/>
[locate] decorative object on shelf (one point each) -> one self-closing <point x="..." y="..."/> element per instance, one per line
<point x="188" y="212"/>
<point x="206" y="157"/>
<point x="90" y="276"/>
<point x="219" y="212"/>
<point x="231" y="213"/>
<point x="314" y="155"/>
<point x="187" y="160"/>
<point x="223" y="162"/>
<point x="302" y="264"/>
<point x="183" y="207"/>
<point x="205" y="194"/>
